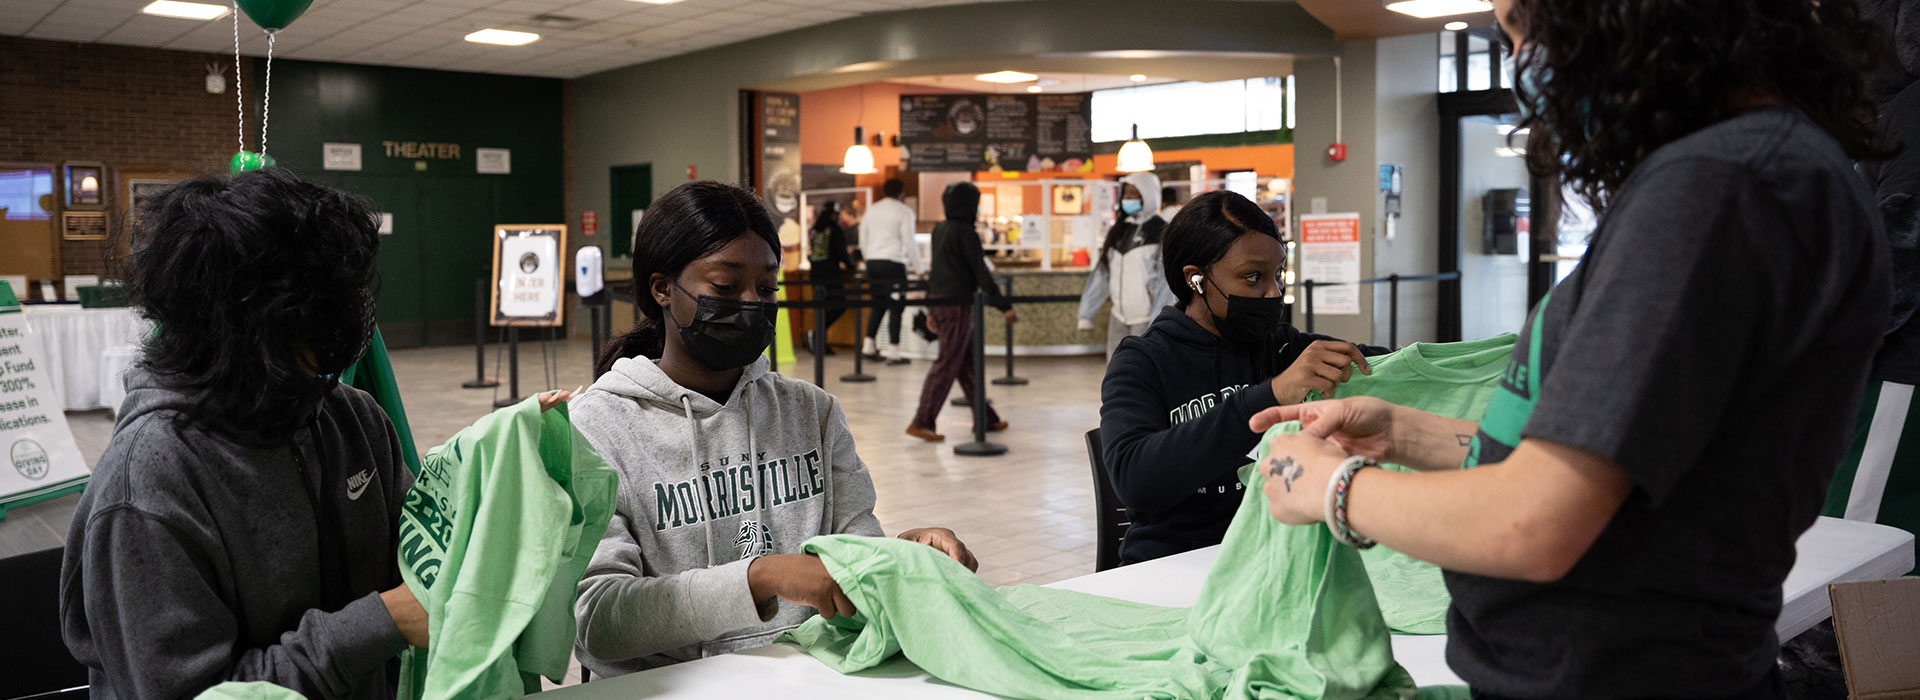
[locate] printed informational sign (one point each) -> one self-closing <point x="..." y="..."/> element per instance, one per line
<point x="529" y="273"/>
<point x="493" y="161"/>
<point x="1330" y="253"/>
<point x="340" y="156"/>
<point x="38" y="456"/>
<point x="590" y="223"/>
<point x="1029" y="133"/>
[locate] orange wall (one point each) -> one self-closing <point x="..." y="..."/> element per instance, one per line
<point x="827" y="118"/>
<point x="1269" y="161"/>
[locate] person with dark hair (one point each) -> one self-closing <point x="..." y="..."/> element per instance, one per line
<point x="1128" y="270"/>
<point x="886" y="241"/>
<point x="1169" y="203"/>
<point x="243" y="521"/>
<point x="959" y="268"/>
<point x="1675" y="406"/>
<point x="827" y="251"/>
<point x="726" y="469"/>
<point x="1175" y="401"/>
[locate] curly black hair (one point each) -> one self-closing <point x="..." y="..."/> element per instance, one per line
<point x="1625" y="77"/>
<point x="260" y="286"/>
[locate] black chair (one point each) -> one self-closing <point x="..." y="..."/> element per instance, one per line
<point x="1110" y="515"/>
<point x="36" y="662"/>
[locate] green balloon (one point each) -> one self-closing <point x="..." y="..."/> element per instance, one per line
<point x="248" y="160"/>
<point x="274" y="15"/>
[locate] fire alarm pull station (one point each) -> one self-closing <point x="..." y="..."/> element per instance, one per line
<point x="1337" y="152"/>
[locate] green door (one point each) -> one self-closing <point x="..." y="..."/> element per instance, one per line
<point x="632" y="191"/>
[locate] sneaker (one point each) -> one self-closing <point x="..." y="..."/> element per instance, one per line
<point x="897" y="361"/>
<point x="870" y="349"/>
<point x="925" y="434"/>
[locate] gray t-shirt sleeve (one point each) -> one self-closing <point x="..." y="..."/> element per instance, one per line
<point x="1644" y="374"/>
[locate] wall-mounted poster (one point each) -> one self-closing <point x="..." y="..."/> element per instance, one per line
<point x="86" y="185"/>
<point x="138" y="187"/>
<point x="1026" y="133"/>
<point x="1069" y="200"/>
<point x="780" y="153"/>
<point x="529" y="272"/>
<point x="1330" y="254"/>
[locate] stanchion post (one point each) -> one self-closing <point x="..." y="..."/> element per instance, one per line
<point x="860" y="329"/>
<point x="1309" y="287"/>
<point x="1009" y="380"/>
<point x="480" y="380"/>
<point x="819" y="345"/>
<point x="513" y="369"/>
<point x="980" y="447"/>
<point x="1393" y="311"/>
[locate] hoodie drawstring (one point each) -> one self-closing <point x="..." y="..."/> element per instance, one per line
<point x="686" y="405"/>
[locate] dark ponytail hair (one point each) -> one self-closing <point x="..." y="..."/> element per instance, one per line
<point x="1204" y="230"/>
<point x="690" y="222"/>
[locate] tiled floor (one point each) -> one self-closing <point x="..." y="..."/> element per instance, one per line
<point x="1027" y="514"/>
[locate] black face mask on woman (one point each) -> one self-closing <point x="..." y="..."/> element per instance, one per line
<point x="727" y="333"/>
<point x="1249" y="320"/>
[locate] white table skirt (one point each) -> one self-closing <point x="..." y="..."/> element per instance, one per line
<point x="73" y="341"/>
<point x="1832" y="551"/>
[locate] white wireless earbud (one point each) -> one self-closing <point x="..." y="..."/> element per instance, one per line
<point x="1194" y="282"/>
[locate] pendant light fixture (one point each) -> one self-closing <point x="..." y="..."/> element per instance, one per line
<point x="1135" y="155"/>
<point x="859" y="160"/>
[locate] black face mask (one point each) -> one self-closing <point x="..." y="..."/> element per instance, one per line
<point x="727" y="334"/>
<point x="1249" y="320"/>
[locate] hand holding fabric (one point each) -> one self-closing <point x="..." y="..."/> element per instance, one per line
<point x="1297" y="469"/>
<point x="799" y="579"/>
<point x="1361" y="425"/>
<point x="1323" y="366"/>
<point x="946" y="541"/>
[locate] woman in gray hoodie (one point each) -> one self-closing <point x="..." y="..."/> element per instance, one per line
<point x="726" y="469"/>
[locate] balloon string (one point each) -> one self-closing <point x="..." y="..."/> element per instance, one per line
<point x="239" y="86"/>
<point x="266" y="96"/>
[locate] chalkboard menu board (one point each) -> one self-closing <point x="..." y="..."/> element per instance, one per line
<point x="997" y="132"/>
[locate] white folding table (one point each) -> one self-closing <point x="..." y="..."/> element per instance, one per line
<point x="1832" y="551"/>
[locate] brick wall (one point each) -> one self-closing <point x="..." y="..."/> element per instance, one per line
<point x="137" y="110"/>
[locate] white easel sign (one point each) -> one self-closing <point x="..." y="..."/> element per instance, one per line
<point x="37" y="453"/>
<point x="1330" y="254"/>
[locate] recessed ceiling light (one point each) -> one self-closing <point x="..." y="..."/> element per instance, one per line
<point x="1034" y="88"/>
<point x="185" y="10"/>
<point x="503" y="37"/>
<point x="1137" y="77"/>
<point x="1429" y="9"/>
<point x="1454" y="26"/>
<point x="1007" y="76"/>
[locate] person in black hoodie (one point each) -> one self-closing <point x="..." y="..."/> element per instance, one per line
<point x="1176" y="400"/>
<point x="959" y="267"/>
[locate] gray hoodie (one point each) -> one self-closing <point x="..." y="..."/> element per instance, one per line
<point x="195" y="558"/>
<point x="668" y="582"/>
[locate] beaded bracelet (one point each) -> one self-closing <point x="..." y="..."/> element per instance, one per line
<point x="1336" y="505"/>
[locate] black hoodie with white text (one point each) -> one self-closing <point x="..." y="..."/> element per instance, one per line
<point x="1173" y="426"/>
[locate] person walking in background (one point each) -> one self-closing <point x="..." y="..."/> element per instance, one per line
<point x="886" y="240"/>
<point x="959" y="267"/>
<point x="1128" y="272"/>
<point x="1169" y="203"/>
<point x="827" y="251"/>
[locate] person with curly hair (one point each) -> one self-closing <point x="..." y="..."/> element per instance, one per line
<point x="242" y="522"/>
<point x="1675" y="406"/>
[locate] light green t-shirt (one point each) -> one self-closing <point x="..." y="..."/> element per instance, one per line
<point x="495" y="533"/>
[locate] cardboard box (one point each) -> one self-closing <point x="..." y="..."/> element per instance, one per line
<point x="1878" y="627"/>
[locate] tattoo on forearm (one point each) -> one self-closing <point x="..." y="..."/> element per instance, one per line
<point x="1465" y="440"/>
<point x="1284" y="469"/>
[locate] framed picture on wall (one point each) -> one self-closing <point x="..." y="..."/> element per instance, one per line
<point x="85" y="185"/>
<point x="529" y="274"/>
<point x="138" y="187"/>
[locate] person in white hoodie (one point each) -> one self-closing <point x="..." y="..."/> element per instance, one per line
<point x="725" y="468"/>
<point x="1128" y="270"/>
